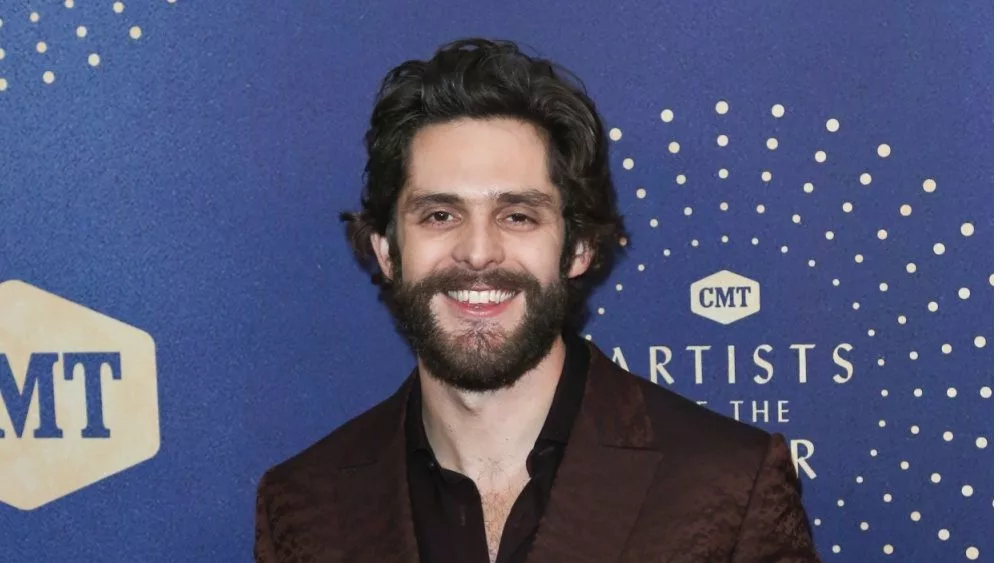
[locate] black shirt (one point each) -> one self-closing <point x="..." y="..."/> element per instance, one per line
<point x="447" y="509"/>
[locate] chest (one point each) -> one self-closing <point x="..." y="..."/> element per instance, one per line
<point x="497" y="503"/>
<point x="490" y="516"/>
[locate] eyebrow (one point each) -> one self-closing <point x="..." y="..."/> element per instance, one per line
<point x="531" y="197"/>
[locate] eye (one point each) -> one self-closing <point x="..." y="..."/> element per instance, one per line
<point x="438" y="217"/>
<point x="520" y="219"/>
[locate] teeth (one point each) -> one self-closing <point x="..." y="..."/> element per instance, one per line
<point x="480" y="297"/>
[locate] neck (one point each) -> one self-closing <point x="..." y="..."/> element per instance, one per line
<point x="484" y="433"/>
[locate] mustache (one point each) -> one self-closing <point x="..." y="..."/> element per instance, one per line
<point x="457" y="279"/>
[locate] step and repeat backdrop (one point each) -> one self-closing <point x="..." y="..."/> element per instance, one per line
<point x="807" y="188"/>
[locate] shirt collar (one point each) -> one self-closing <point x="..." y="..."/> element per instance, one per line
<point x="569" y="392"/>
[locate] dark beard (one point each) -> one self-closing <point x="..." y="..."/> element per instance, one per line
<point x="482" y="356"/>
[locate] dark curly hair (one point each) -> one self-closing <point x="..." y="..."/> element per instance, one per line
<point x="483" y="79"/>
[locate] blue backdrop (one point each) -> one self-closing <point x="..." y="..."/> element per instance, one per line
<point x="188" y="184"/>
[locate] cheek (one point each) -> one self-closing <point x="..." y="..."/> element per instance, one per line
<point x="419" y="260"/>
<point x="541" y="262"/>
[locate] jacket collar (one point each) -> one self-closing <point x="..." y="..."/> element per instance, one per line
<point x="605" y="473"/>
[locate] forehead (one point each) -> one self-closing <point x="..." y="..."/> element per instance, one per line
<point x="477" y="158"/>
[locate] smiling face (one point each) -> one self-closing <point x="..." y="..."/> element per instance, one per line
<point x="476" y="282"/>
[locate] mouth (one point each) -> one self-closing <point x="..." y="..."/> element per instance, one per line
<point x="481" y="296"/>
<point x="481" y="302"/>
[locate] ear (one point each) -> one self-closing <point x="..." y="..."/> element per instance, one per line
<point x="582" y="256"/>
<point x="380" y="245"/>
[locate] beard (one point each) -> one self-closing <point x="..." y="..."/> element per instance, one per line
<point x="481" y="355"/>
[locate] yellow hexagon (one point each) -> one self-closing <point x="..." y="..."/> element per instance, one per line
<point x="725" y="297"/>
<point x="78" y="397"/>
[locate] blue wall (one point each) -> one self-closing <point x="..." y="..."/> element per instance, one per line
<point x="189" y="185"/>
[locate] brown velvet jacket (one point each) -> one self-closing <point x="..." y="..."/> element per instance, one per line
<point x="647" y="476"/>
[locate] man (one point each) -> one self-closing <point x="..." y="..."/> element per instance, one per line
<point x="488" y="212"/>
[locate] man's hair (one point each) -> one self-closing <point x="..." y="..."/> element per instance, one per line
<point x="483" y="79"/>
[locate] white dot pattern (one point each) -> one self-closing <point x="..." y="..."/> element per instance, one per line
<point x="849" y="217"/>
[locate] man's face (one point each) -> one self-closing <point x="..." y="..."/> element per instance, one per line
<point x="476" y="283"/>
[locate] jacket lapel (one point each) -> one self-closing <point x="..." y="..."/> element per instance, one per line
<point x="609" y="464"/>
<point x="375" y="516"/>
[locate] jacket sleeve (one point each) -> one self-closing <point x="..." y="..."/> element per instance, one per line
<point x="775" y="527"/>
<point x="263" y="547"/>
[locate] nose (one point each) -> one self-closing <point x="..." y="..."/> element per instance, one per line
<point x="479" y="246"/>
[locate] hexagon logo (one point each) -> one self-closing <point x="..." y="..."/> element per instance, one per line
<point x="725" y="297"/>
<point x="78" y="397"/>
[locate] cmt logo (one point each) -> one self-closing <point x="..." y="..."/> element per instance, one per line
<point x="78" y="397"/>
<point x="725" y="297"/>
